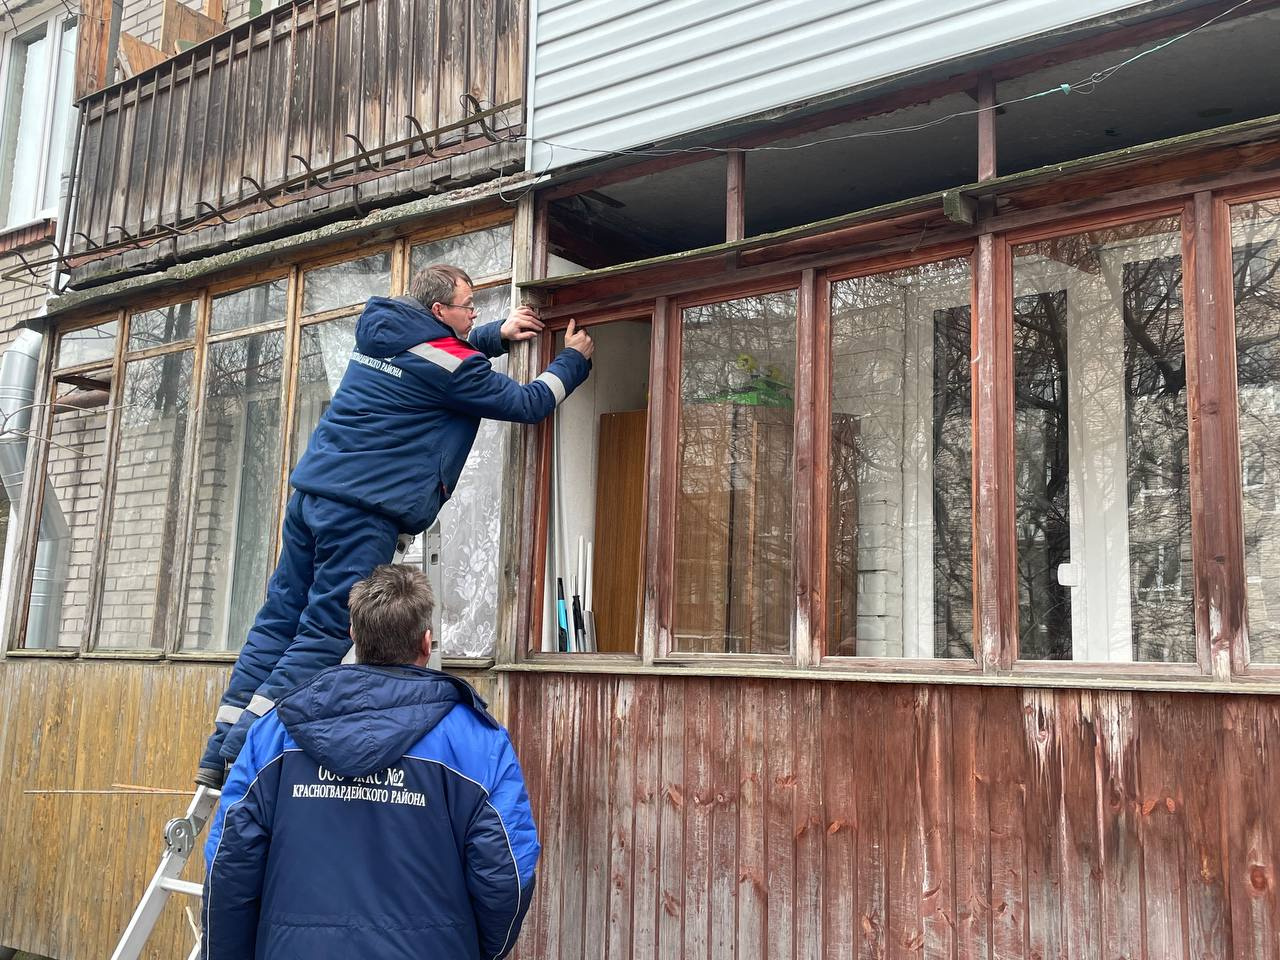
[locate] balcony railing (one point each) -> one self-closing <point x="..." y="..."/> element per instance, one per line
<point x="308" y="96"/>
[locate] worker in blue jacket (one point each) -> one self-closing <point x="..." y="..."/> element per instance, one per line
<point x="384" y="458"/>
<point x="378" y="811"/>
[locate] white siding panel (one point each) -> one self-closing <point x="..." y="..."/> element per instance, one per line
<point x="568" y="40"/>
<point x="615" y="74"/>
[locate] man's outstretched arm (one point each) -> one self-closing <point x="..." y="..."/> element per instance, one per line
<point x="477" y="389"/>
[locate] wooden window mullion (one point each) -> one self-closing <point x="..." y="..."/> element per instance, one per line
<point x="107" y="484"/>
<point x="995" y="585"/>
<point x="664" y="438"/>
<point x="1217" y="542"/>
<point x="809" y="473"/>
<point x="185" y="528"/>
<point x="288" y="402"/>
<point x="656" y="611"/>
<point x="530" y="456"/>
<point x="401" y="251"/>
<point x="520" y="588"/>
<point x="820" y="526"/>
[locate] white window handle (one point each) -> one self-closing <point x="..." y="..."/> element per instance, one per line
<point x="1067" y="575"/>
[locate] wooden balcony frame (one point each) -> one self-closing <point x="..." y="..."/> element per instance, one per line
<point x="175" y="147"/>
<point x="1197" y="180"/>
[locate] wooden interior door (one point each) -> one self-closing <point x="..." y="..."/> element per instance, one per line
<point x="619" y="560"/>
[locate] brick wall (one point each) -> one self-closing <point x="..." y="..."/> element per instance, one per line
<point x="145" y="543"/>
<point x="237" y="11"/>
<point x="211" y="548"/>
<point x="143" y="546"/>
<point x="18" y="302"/>
<point x="75" y="468"/>
<point x="236" y="491"/>
<point x="144" y="19"/>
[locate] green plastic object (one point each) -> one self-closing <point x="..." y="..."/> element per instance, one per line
<point x="765" y="389"/>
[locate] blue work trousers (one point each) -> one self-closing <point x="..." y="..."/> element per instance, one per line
<point x="304" y="625"/>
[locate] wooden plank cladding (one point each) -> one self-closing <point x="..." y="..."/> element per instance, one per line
<point x="303" y="87"/>
<point x="92" y="29"/>
<point x="74" y="864"/>
<point x="707" y="818"/>
<point x="75" y="850"/>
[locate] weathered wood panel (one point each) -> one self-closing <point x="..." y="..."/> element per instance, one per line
<point x="317" y="79"/>
<point x="92" y="28"/>
<point x="73" y="864"/>
<point x="181" y="24"/>
<point x="751" y="818"/>
<point x="138" y="54"/>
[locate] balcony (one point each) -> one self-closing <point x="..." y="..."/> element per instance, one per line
<point x="298" y="103"/>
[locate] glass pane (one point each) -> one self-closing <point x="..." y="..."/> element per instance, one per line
<point x="59" y="129"/>
<point x="237" y="491"/>
<point x="484" y="254"/>
<point x="144" y="548"/>
<point x="59" y="594"/>
<point x="733" y="585"/>
<point x="25" y="100"/>
<point x="1255" y="241"/>
<point x="324" y="349"/>
<point x="346" y="284"/>
<point x="88" y="345"/>
<point x="152" y="328"/>
<point x="900" y="579"/>
<point x="265" y="303"/>
<point x="1103" y="485"/>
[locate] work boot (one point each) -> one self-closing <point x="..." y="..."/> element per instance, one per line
<point x="211" y="777"/>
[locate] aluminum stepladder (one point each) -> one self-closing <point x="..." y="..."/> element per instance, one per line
<point x="181" y="834"/>
<point x="180" y="837"/>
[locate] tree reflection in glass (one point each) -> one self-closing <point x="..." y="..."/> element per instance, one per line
<point x="1255" y="241"/>
<point x="1100" y="435"/>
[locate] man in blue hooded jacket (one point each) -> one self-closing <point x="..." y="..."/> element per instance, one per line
<point x="378" y="811"/>
<point x="384" y="458"/>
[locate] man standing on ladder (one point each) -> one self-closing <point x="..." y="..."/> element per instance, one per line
<point x="384" y="458"/>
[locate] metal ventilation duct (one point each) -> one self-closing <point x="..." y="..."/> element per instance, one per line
<point x="19" y="370"/>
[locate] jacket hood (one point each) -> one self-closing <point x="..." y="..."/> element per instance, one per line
<point x="391" y="326"/>
<point x="357" y="719"/>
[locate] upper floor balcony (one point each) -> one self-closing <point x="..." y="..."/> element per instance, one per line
<point x="291" y="113"/>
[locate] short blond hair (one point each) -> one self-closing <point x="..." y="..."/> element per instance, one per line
<point x="390" y="613"/>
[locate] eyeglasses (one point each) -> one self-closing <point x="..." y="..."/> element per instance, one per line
<point x="470" y="308"/>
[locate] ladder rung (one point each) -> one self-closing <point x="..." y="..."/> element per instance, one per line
<point x="182" y="886"/>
